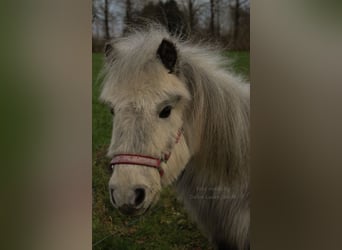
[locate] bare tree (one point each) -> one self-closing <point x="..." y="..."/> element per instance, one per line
<point x="106" y="20"/>
<point x="103" y="17"/>
<point x="218" y="19"/>
<point x="215" y="22"/>
<point x="192" y="9"/>
<point x="191" y="14"/>
<point x="212" y="17"/>
<point x="236" y="7"/>
<point x="128" y="6"/>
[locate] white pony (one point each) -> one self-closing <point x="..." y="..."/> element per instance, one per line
<point x="181" y="118"/>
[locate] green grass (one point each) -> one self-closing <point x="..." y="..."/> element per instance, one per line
<point x="167" y="225"/>
<point x="240" y="62"/>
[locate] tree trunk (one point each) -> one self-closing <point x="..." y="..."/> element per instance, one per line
<point x="191" y="14"/>
<point x="218" y="24"/>
<point x="212" y="17"/>
<point x="106" y="21"/>
<point x="236" y="21"/>
<point x="128" y="17"/>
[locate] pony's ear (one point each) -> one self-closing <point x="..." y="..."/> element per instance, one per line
<point x="167" y="53"/>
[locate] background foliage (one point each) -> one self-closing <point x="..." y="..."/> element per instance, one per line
<point x="222" y="21"/>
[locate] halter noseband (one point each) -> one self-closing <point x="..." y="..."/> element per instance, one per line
<point x="144" y="160"/>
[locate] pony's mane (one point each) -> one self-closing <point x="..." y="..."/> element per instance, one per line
<point x="217" y="121"/>
<point x="220" y="116"/>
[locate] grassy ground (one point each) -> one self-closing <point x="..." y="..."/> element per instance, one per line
<point x="167" y="225"/>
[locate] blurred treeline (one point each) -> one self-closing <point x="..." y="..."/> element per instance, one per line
<point x="222" y="21"/>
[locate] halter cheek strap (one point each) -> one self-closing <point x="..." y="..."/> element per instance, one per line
<point x="144" y="160"/>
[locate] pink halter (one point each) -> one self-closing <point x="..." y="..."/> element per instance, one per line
<point x="144" y="160"/>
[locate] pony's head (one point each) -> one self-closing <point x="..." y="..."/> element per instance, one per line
<point x="149" y="104"/>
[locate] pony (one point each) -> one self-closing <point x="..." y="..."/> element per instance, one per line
<point x="179" y="118"/>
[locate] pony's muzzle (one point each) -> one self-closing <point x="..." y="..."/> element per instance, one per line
<point x="128" y="203"/>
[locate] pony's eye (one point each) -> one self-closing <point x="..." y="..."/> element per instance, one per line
<point x="165" y="112"/>
<point x="112" y="111"/>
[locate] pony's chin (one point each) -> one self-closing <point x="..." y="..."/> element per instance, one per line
<point x="131" y="211"/>
<point x="135" y="212"/>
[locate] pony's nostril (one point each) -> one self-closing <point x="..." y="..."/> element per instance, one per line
<point x="139" y="196"/>
<point x="112" y="195"/>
